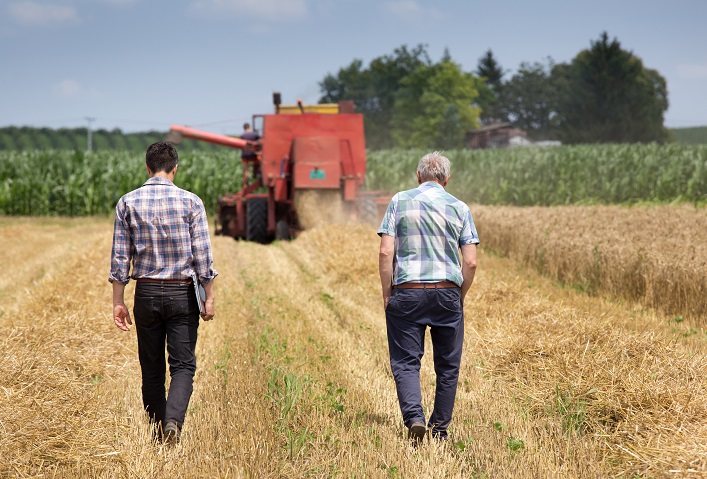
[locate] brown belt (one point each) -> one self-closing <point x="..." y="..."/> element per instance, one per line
<point x="170" y="281"/>
<point x="440" y="285"/>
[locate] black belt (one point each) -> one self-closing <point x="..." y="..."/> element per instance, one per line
<point x="168" y="281"/>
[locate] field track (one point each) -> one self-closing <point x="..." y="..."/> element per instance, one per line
<point x="293" y="377"/>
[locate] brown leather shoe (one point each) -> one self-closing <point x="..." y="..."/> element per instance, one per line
<point x="416" y="433"/>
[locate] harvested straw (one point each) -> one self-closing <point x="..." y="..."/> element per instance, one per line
<point x="293" y="377"/>
<point x="55" y="359"/>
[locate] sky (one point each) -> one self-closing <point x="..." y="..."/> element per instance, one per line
<point x="143" y="65"/>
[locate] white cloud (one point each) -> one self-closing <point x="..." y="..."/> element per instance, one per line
<point x="410" y="10"/>
<point x="693" y="72"/>
<point x="35" y="14"/>
<point x="71" y="89"/>
<point x="67" y="89"/>
<point x="268" y="10"/>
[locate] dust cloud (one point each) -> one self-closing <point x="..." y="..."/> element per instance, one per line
<point x="316" y="208"/>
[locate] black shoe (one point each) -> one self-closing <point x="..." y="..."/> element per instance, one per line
<point x="416" y="433"/>
<point x="171" y="434"/>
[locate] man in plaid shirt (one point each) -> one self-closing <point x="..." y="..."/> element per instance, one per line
<point x="424" y="283"/>
<point x="163" y="231"/>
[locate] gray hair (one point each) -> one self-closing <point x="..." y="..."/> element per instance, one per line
<point x="434" y="167"/>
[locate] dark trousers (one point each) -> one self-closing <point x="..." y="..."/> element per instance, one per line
<point x="409" y="313"/>
<point x="166" y="311"/>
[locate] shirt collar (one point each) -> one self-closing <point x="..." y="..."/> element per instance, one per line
<point x="431" y="184"/>
<point x="156" y="180"/>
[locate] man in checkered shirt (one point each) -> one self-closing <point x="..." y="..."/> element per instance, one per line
<point x="163" y="231"/>
<point x="424" y="282"/>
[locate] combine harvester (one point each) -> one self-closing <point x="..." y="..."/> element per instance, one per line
<point x="303" y="149"/>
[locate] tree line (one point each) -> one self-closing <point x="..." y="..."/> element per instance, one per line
<point x="26" y="138"/>
<point x="604" y="95"/>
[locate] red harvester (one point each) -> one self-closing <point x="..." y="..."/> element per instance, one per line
<point x="317" y="147"/>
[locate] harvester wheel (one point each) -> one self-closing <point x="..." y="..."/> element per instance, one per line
<point x="257" y="220"/>
<point x="282" y="231"/>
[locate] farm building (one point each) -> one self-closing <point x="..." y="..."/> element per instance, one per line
<point x="499" y="135"/>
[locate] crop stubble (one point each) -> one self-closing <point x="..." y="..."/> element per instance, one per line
<point x="293" y="378"/>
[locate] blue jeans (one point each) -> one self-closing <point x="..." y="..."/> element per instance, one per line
<point x="166" y="312"/>
<point x="409" y="313"/>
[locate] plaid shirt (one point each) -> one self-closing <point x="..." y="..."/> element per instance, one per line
<point x="163" y="230"/>
<point x="429" y="226"/>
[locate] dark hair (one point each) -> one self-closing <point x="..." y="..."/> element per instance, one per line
<point x="161" y="156"/>
<point x="246" y="126"/>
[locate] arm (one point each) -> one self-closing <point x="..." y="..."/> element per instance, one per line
<point x="203" y="258"/>
<point x="468" y="267"/>
<point x="385" y="266"/>
<point x="121" y="316"/>
<point x="209" y="303"/>
<point x="468" y="241"/>
<point x="120" y="267"/>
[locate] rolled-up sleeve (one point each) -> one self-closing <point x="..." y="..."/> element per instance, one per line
<point x="201" y="244"/>
<point x="122" y="246"/>
<point x="469" y="234"/>
<point x="388" y="224"/>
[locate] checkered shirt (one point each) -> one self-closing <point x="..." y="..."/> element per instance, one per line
<point x="429" y="226"/>
<point x="163" y="230"/>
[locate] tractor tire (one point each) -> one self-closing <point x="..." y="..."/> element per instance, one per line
<point x="257" y="220"/>
<point x="282" y="231"/>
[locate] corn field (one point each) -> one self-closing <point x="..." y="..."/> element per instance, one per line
<point x="545" y="176"/>
<point x="71" y="183"/>
<point x="75" y="184"/>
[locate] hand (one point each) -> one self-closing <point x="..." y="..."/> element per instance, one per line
<point x="210" y="310"/>
<point x="386" y="299"/>
<point x="121" y="317"/>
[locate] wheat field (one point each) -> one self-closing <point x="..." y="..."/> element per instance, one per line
<point x="653" y="254"/>
<point x="293" y="378"/>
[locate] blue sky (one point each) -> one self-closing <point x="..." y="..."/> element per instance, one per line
<point x="145" y="64"/>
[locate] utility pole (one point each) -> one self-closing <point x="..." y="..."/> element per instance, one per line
<point x="89" y="138"/>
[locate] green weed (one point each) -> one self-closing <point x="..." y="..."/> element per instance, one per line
<point x="571" y="410"/>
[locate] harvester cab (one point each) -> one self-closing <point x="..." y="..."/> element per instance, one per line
<point x="305" y="151"/>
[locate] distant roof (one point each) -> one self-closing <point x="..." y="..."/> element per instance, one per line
<point x="495" y="126"/>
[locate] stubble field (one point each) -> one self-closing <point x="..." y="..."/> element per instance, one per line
<point x="293" y="378"/>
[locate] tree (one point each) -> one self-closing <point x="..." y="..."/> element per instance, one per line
<point x="606" y="95"/>
<point x="489" y="69"/>
<point x="490" y="91"/>
<point x="7" y="142"/>
<point x="528" y="100"/>
<point x="373" y="89"/>
<point x="433" y="108"/>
